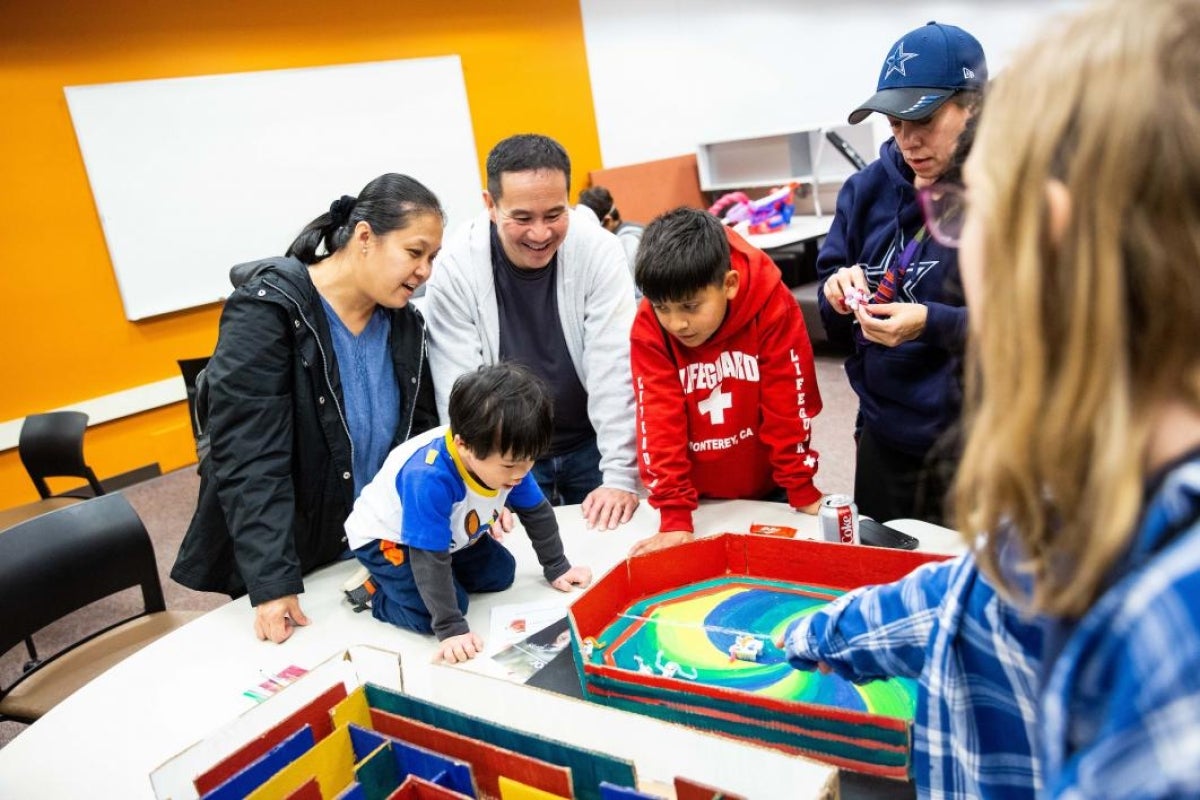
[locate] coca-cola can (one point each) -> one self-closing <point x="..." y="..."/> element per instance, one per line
<point x="838" y="519"/>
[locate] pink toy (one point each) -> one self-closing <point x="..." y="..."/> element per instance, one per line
<point x="857" y="297"/>
<point x="764" y="215"/>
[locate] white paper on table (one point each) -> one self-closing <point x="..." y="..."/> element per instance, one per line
<point x="514" y="622"/>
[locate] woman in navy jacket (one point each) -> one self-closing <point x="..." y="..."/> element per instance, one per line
<point x="909" y="338"/>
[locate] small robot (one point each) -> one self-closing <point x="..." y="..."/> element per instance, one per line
<point x="745" y="648"/>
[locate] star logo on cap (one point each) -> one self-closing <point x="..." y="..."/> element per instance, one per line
<point x="895" y="62"/>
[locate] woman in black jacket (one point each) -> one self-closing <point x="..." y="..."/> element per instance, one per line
<point x="318" y="372"/>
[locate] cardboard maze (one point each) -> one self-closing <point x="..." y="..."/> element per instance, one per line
<point x="375" y="743"/>
<point x="687" y="635"/>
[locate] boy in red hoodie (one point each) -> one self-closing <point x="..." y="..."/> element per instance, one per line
<point x="723" y="375"/>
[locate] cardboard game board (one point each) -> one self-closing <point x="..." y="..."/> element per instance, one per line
<point x="333" y="735"/>
<point x="686" y="635"/>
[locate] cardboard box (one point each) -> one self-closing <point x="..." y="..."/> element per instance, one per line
<point x="665" y="634"/>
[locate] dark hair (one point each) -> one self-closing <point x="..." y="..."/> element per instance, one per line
<point x="600" y="200"/>
<point x="525" y="152"/>
<point x="387" y="204"/>
<point x="966" y="140"/>
<point x="682" y="251"/>
<point x="503" y="408"/>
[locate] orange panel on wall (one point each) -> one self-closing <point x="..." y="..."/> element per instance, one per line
<point x="643" y="191"/>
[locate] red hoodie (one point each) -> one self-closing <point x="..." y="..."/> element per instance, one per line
<point x="747" y="396"/>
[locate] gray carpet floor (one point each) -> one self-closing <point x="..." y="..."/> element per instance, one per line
<point x="166" y="503"/>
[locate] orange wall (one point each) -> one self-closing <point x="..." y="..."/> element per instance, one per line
<point x="65" y="335"/>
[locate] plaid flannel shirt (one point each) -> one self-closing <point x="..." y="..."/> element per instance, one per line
<point x="1122" y="701"/>
<point x="977" y="664"/>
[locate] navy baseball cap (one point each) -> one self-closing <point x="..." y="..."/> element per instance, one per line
<point x="923" y="70"/>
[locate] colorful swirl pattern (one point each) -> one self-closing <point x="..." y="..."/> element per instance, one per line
<point x="688" y="633"/>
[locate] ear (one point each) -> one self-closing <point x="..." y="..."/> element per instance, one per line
<point x="1058" y="204"/>
<point x="361" y="236"/>
<point x="491" y="205"/>
<point x="461" y="446"/>
<point x="733" y="280"/>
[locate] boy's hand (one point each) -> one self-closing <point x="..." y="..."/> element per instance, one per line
<point x="811" y="508"/>
<point x="661" y="540"/>
<point x="838" y="286"/>
<point x="275" y="619"/>
<point x="459" y="648"/>
<point x="606" y="508"/>
<point x="503" y="525"/>
<point x="575" y="576"/>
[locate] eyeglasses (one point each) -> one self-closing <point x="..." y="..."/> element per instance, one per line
<point x="944" y="206"/>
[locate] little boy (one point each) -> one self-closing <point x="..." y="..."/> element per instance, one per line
<point x="722" y="372"/>
<point x="426" y="527"/>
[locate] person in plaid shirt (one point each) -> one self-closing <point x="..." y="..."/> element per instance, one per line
<point x="1080" y="251"/>
<point x="1079" y="257"/>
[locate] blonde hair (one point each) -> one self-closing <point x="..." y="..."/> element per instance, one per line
<point x="1086" y="331"/>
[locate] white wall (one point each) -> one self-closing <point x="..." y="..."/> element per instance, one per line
<point x="669" y="74"/>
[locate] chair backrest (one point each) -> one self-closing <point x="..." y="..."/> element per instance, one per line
<point x="51" y="445"/>
<point x="62" y="561"/>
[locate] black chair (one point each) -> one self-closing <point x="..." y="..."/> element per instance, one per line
<point x="55" y="564"/>
<point x="51" y="446"/>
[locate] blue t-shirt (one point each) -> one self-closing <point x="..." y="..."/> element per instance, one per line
<point x="425" y="497"/>
<point x="370" y="393"/>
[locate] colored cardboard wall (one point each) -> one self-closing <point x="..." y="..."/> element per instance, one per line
<point x="65" y="336"/>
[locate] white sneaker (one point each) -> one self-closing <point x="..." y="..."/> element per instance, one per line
<point x="359" y="589"/>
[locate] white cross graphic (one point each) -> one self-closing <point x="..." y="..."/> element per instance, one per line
<point x="715" y="405"/>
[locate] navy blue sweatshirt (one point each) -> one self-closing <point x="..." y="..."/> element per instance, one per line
<point x="909" y="394"/>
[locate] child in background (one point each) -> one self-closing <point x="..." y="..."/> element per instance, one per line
<point x="426" y="527"/>
<point x="629" y="234"/>
<point x="723" y="375"/>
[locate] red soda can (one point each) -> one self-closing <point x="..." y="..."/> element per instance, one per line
<point x="838" y="518"/>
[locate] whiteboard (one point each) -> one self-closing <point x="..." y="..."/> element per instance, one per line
<point x="669" y="74"/>
<point x="193" y="175"/>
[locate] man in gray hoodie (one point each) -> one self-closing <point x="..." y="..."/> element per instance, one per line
<point x="521" y="283"/>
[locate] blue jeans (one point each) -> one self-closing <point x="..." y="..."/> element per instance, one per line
<point x="485" y="566"/>
<point x="570" y="477"/>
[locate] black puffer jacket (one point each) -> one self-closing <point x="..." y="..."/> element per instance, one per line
<point x="277" y="485"/>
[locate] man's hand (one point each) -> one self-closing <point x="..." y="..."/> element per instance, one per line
<point x="276" y="618"/>
<point x="459" y="648"/>
<point x="575" y="576"/>
<point x="661" y="540"/>
<point x="839" y="285"/>
<point x="607" y="508"/>
<point x="890" y="324"/>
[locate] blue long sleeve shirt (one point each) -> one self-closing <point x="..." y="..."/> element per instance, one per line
<point x="976" y="660"/>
